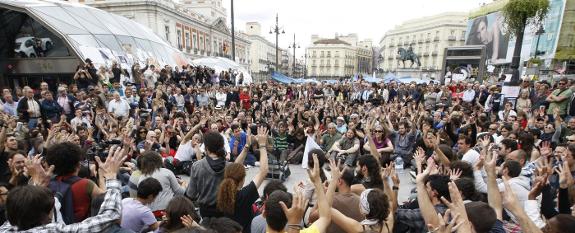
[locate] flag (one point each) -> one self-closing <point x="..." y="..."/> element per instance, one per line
<point x="310" y="145"/>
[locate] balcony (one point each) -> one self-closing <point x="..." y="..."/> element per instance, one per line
<point x="436" y="38"/>
<point x="434" y="53"/>
<point x="391" y="45"/>
<point x="426" y="54"/>
<point x="462" y="38"/>
<point x="451" y="38"/>
<point x="420" y="41"/>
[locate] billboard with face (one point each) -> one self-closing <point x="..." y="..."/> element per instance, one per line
<point x="487" y="30"/>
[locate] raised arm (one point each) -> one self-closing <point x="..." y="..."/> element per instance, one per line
<point x="262" y="144"/>
<point x="240" y="159"/>
<point x="425" y="205"/>
<point x="324" y="208"/>
<point x="493" y="194"/>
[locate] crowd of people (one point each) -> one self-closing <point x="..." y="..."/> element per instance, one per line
<point x="105" y="154"/>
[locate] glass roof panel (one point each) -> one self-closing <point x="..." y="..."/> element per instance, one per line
<point x="60" y="25"/>
<point x="107" y="20"/>
<point x="85" y="40"/>
<point x="86" y="19"/>
<point x="109" y="41"/>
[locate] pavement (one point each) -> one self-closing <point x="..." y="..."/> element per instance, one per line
<point x="299" y="174"/>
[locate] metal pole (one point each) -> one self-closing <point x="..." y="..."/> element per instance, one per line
<point x="294" y="54"/>
<point x="277" y="31"/>
<point x="233" y="35"/>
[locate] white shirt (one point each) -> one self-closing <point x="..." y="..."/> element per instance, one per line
<point x="119" y="107"/>
<point x="471" y="156"/>
<point x="468" y="95"/>
<point x="221" y="98"/>
<point x="185" y="152"/>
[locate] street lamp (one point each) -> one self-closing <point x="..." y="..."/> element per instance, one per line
<point x="276" y="29"/>
<point x="539" y="32"/>
<point x="233" y="34"/>
<point x="294" y="45"/>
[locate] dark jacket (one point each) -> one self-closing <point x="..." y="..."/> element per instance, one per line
<point x="22" y="109"/>
<point x="51" y="109"/>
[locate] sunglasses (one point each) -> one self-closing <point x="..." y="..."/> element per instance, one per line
<point x="379" y="131"/>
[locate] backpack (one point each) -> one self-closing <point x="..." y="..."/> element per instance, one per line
<point x="61" y="188"/>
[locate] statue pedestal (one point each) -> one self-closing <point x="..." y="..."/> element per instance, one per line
<point x="408" y="72"/>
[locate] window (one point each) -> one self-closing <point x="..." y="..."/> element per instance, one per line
<point x="167" y="30"/>
<point x="328" y="63"/>
<point x="336" y="53"/>
<point x="202" y="42"/>
<point x="187" y="40"/>
<point x="453" y="32"/>
<point x="179" y="40"/>
<point x="321" y="54"/>
<point x="195" y="44"/>
<point x="208" y="44"/>
<point x="328" y="53"/>
<point x="321" y="63"/>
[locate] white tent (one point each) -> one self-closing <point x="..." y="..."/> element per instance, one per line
<point x="220" y="64"/>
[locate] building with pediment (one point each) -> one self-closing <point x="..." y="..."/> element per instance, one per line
<point x="197" y="28"/>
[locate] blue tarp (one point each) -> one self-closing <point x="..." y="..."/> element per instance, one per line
<point x="279" y="77"/>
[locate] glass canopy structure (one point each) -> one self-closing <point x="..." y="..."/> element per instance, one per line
<point x="43" y="29"/>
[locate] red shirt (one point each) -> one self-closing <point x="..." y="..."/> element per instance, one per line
<point x="245" y="99"/>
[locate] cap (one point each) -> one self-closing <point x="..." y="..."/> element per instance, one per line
<point x="340" y="118"/>
<point x="571" y="137"/>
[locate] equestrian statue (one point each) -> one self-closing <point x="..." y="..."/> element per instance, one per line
<point x="408" y="54"/>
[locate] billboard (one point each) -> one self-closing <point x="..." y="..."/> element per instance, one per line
<point x="487" y="30"/>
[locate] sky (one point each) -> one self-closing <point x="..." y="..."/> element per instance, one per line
<point x="370" y="19"/>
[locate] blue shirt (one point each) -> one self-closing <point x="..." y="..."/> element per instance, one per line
<point x="10" y="109"/>
<point x="242" y="142"/>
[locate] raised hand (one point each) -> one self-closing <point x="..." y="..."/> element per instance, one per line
<point x="456" y="205"/>
<point x="565" y="177"/>
<point x="421" y="176"/>
<point x="445" y="226"/>
<point x="262" y="136"/>
<point x="454" y="174"/>
<point x="109" y="168"/>
<point x="335" y="172"/>
<point x="297" y="210"/>
<point x="38" y="174"/>
<point x="314" y="172"/>
<point x="545" y="149"/>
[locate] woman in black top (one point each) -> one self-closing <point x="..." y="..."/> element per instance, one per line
<point x="233" y="200"/>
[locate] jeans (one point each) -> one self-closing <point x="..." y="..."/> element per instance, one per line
<point x="32" y="123"/>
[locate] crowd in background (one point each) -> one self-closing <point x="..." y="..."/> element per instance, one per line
<point x="105" y="154"/>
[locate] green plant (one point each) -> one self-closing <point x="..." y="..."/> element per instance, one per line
<point x="520" y="14"/>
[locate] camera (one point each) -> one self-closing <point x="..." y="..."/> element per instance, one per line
<point x="101" y="149"/>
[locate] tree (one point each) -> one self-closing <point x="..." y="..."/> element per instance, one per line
<point x="520" y="14"/>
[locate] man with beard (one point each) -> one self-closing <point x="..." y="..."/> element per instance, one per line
<point x="9" y="145"/>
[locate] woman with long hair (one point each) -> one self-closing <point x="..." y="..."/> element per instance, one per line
<point x="236" y="202"/>
<point x="178" y="209"/>
<point x="381" y="140"/>
<point x="377" y="206"/>
<point x="152" y="166"/>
